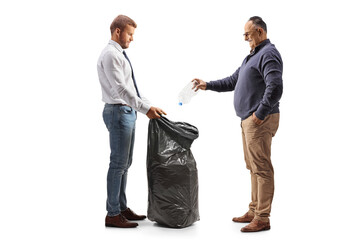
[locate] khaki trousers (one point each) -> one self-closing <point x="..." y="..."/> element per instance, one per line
<point x="257" y="152"/>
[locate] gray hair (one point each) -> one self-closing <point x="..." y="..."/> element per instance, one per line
<point x="258" y="22"/>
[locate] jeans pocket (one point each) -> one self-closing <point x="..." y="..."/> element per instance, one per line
<point x="126" y="109"/>
<point x="108" y="117"/>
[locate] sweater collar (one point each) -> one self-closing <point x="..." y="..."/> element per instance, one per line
<point x="260" y="46"/>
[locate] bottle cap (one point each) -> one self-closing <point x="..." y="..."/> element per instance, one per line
<point x="180" y="103"/>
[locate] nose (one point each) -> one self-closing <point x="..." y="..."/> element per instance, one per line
<point x="246" y="37"/>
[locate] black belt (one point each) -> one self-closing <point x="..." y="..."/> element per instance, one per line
<point x="118" y="104"/>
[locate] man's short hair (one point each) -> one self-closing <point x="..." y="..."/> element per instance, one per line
<point x="120" y="22"/>
<point x="258" y="22"/>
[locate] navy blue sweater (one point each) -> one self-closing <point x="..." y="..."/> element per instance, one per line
<point x="257" y="83"/>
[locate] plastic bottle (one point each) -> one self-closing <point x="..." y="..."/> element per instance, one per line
<point x="187" y="93"/>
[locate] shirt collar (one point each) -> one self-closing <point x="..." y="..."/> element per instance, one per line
<point x="116" y="45"/>
<point x="260" y="46"/>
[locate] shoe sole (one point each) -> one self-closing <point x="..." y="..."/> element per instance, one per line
<point x="237" y="221"/>
<point x="111" y="225"/>
<point x="264" y="229"/>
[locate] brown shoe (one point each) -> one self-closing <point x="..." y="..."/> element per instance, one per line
<point x="256" y="226"/>
<point x="119" y="221"/>
<point x="130" y="215"/>
<point x="244" y="219"/>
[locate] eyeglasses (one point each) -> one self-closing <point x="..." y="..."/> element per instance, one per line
<point x="246" y="34"/>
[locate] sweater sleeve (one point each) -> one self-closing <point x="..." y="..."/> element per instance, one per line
<point x="224" y="85"/>
<point x="271" y="69"/>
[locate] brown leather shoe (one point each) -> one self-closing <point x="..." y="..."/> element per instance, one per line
<point x="130" y="215"/>
<point x="119" y="221"/>
<point x="244" y="219"/>
<point x="256" y="226"/>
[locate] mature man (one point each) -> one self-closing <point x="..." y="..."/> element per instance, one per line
<point x="258" y="89"/>
<point x="122" y="102"/>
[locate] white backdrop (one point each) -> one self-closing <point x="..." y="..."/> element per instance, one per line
<point x="54" y="144"/>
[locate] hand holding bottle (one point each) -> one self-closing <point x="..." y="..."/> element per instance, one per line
<point x="199" y="84"/>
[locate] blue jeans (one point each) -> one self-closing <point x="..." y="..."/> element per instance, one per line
<point x="120" y="121"/>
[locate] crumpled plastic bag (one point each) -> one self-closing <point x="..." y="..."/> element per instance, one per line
<point x="172" y="173"/>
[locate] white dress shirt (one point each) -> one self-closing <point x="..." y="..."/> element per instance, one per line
<point x="116" y="80"/>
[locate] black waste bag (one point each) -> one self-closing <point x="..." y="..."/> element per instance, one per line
<point x="172" y="173"/>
